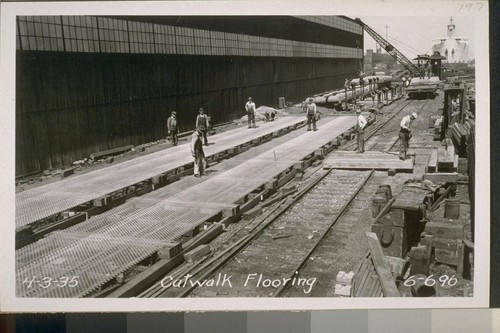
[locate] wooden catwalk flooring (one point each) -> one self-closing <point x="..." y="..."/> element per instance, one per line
<point x="44" y="201"/>
<point x="97" y="258"/>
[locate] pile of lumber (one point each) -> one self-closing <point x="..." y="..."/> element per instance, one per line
<point x="447" y="160"/>
<point x="460" y="134"/>
<point x="373" y="276"/>
<point x="437" y="128"/>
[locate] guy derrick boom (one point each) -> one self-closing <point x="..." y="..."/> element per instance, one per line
<point x="400" y="58"/>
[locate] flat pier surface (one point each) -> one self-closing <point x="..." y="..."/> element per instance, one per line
<point x="44" y="201"/>
<point x="129" y="238"/>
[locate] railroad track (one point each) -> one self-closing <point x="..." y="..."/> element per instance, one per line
<point x="305" y="220"/>
<point x="104" y="247"/>
<point x="384" y="133"/>
<point x="330" y="206"/>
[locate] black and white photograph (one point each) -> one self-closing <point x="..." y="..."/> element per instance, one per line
<point x="243" y="157"/>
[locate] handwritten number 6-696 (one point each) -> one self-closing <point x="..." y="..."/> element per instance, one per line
<point x="444" y="280"/>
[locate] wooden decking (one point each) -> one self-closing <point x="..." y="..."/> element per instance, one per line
<point x="44" y="201"/>
<point x="367" y="161"/>
<point x="126" y="240"/>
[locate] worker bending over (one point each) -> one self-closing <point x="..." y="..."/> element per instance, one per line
<point x="360" y="130"/>
<point x="197" y="152"/>
<point x="311" y="114"/>
<point x="250" y="107"/>
<point x="405" y="134"/>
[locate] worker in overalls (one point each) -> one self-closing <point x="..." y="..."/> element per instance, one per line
<point x="405" y="134"/>
<point x="428" y="69"/>
<point x="311" y="115"/>
<point x="250" y="107"/>
<point x="197" y="151"/>
<point x="172" y="128"/>
<point x="202" y="120"/>
<point x="360" y="131"/>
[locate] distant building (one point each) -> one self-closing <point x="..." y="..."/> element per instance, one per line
<point x="378" y="61"/>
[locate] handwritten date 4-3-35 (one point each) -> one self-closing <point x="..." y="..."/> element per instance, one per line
<point x="46" y="282"/>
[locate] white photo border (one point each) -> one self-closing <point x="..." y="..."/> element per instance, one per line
<point x="351" y="8"/>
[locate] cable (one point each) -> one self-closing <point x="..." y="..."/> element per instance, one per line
<point x="408" y="46"/>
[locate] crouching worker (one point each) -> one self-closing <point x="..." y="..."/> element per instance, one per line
<point x="270" y="115"/>
<point x="197" y="151"/>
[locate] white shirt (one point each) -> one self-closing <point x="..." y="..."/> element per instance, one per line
<point x="405" y="122"/>
<point x="311" y="107"/>
<point x="250" y="106"/>
<point x="361" y="121"/>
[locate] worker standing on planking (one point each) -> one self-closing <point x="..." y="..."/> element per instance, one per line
<point x="250" y="107"/>
<point x="172" y="128"/>
<point x="197" y="151"/>
<point x="405" y="134"/>
<point x="360" y="130"/>
<point x="202" y="120"/>
<point x="311" y="114"/>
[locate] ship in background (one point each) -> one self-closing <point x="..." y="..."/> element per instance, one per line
<point x="456" y="50"/>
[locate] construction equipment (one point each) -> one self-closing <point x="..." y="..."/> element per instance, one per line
<point x="400" y="58"/>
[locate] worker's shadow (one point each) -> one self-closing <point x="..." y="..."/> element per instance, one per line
<point x="210" y="144"/>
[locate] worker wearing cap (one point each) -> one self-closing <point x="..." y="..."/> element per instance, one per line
<point x="197" y="151"/>
<point x="311" y="114"/>
<point x="172" y="128"/>
<point x="360" y="130"/>
<point x="202" y="120"/>
<point x="405" y="134"/>
<point x="250" y="107"/>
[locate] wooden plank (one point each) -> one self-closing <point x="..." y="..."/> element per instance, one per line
<point x="451" y="177"/>
<point x="444" y="256"/>
<point x="444" y="161"/>
<point x="410" y="198"/>
<point x="360" y="279"/>
<point x="114" y="151"/>
<point x="389" y="156"/>
<point x="382" y="266"/>
<point x="445" y="230"/>
<point x="432" y="164"/>
<point x="365" y="165"/>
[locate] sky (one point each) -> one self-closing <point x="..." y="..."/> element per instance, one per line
<point x="413" y="35"/>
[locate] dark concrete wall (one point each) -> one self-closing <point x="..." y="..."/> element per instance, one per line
<point x="69" y="105"/>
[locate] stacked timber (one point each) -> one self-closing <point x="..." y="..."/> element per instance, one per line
<point x="398" y="224"/>
<point x="366" y="281"/>
<point x="447" y="160"/>
<point x="438" y="124"/>
<point x="373" y="276"/>
<point x="460" y="134"/>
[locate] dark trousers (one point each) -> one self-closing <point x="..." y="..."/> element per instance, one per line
<point x="205" y="140"/>
<point x="361" y="141"/>
<point x="311" y="119"/>
<point x="251" y="119"/>
<point x="199" y="163"/>
<point x="173" y="137"/>
<point x="404" y="144"/>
